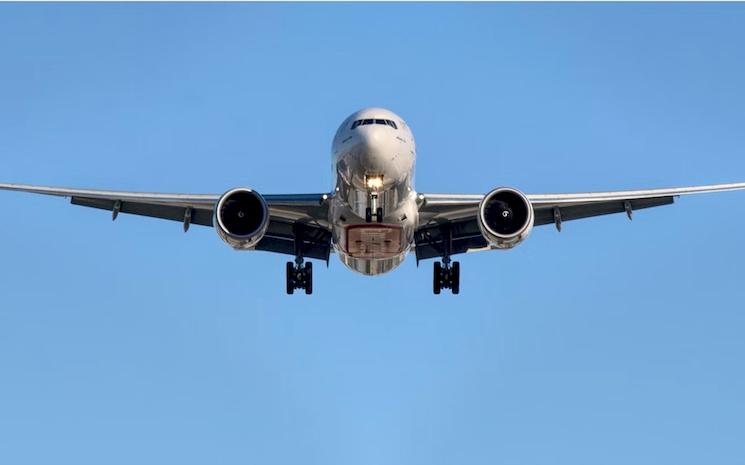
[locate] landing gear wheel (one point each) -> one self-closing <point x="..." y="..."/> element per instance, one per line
<point x="368" y="215"/>
<point x="446" y="276"/>
<point x="290" y="277"/>
<point x="455" y="278"/>
<point x="379" y="214"/>
<point x="308" y="277"/>
<point x="299" y="277"/>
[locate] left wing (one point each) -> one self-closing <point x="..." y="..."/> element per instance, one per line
<point x="286" y="213"/>
<point x="459" y="213"/>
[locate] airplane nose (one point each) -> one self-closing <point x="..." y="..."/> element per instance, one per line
<point x="369" y="137"/>
<point x="373" y="149"/>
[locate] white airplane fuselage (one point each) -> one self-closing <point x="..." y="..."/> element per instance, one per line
<point x="374" y="212"/>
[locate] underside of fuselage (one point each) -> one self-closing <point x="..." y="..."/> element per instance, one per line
<point x="373" y="213"/>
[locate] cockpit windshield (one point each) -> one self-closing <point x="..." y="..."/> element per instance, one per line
<point x="384" y="122"/>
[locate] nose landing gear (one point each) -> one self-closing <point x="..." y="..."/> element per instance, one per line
<point x="369" y="215"/>
<point x="374" y="210"/>
<point x="446" y="276"/>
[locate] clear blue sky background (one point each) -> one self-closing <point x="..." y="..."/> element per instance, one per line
<point x="132" y="342"/>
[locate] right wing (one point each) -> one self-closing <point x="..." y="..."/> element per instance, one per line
<point x="453" y="217"/>
<point x="288" y="214"/>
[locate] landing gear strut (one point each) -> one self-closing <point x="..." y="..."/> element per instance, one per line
<point x="374" y="210"/>
<point x="299" y="276"/>
<point x="446" y="276"/>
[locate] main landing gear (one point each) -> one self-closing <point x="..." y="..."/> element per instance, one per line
<point x="446" y="276"/>
<point x="299" y="276"/>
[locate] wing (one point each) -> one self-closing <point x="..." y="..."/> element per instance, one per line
<point x="286" y="213"/>
<point x="459" y="212"/>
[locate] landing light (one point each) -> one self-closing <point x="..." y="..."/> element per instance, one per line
<point x="374" y="182"/>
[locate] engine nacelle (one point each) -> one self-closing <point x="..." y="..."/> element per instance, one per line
<point x="505" y="217"/>
<point x="241" y="218"/>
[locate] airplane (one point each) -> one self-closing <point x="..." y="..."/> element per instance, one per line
<point x="373" y="217"/>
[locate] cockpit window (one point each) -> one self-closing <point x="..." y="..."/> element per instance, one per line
<point x="384" y="122"/>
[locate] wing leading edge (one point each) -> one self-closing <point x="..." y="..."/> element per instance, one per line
<point x="452" y="218"/>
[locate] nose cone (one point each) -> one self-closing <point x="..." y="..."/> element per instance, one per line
<point x="375" y="148"/>
<point x="374" y="142"/>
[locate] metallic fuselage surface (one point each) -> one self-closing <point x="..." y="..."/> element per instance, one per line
<point x="373" y="162"/>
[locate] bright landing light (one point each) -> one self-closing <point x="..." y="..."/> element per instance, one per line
<point x="374" y="182"/>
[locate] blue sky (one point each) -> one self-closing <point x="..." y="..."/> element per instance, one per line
<point x="132" y="342"/>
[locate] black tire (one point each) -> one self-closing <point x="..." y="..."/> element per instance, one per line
<point x="308" y="278"/>
<point x="437" y="275"/>
<point x="290" y="277"/>
<point x="379" y="214"/>
<point x="368" y="215"/>
<point x="455" y="277"/>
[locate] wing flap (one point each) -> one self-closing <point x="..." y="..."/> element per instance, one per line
<point x="545" y="214"/>
<point x="459" y="236"/>
<point x="201" y="216"/>
<point x="281" y="236"/>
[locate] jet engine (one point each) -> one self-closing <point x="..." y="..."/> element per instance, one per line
<point x="241" y="218"/>
<point x="505" y="217"/>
